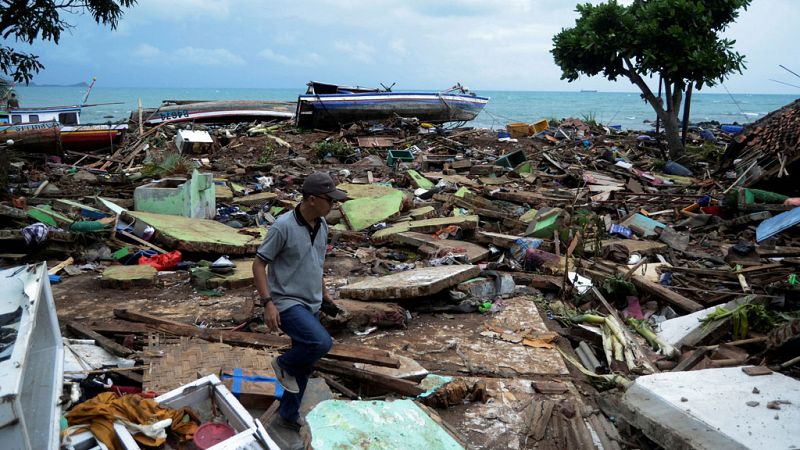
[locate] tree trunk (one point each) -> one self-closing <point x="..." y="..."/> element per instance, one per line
<point x="668" y="116"/>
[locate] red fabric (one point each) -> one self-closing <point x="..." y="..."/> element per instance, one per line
<point x="166" y="261"/>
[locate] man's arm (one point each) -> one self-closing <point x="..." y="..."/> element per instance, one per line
<point x="271" y="316"/>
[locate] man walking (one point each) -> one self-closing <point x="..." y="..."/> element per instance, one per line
<point x="288" y="276"/>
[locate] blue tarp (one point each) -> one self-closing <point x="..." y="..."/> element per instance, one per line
<point x="775" y="225"/>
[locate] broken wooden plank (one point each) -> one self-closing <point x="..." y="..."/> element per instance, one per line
<point x="82" y="330"/>
<point x="669" y="296"/>
<point x="540" y="418"/>
<point x="399" y="386"/>
<point x="338" y="351"/>
<point x="690" y="361"/>
<point x="57" y="268"/>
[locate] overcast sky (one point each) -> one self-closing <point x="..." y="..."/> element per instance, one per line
<point x="484" y="44"/>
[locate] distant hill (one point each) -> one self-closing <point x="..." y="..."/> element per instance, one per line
<point x="81" y="84"/>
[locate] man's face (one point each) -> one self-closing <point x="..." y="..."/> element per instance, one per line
<point x="322" y="204"/>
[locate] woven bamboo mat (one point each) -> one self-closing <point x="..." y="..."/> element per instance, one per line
<point x="188" y="360"/>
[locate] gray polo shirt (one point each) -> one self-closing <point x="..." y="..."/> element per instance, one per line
<point x="295" y="253"/>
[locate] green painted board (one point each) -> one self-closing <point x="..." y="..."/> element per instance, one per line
<point x="419" y="180"/>
<point x="362" y="213"/>
<point x="463" y="190"/>
<point x="199" y="235"/>
<point x="355" y="191"/>
<point x="41" y="216"/>
<point x="377" y="425"/>
<point x="426" y="226"/>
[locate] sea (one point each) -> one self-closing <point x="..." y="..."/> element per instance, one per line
<point x="626" y="109"/>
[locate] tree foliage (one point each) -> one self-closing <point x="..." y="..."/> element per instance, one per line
<point x="27" y="21"/>
<point x="675" y="40"/>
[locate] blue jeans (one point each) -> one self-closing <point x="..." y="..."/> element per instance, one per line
<point x="310" y="342"/>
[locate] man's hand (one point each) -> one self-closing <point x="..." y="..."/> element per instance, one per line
<point x="271" y="317"/>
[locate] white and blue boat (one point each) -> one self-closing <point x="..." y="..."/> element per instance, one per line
<point x="328" y="106"/>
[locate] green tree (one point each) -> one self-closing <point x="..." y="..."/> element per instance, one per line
<point x="676" y="40"/>
<point x="31" y="20"/>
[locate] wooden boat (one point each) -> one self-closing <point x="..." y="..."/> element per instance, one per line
<point x="215" y="111"/>
<point x="50" y="129"/>
<point x="91" y="137"/>
<point x="39" y="137"/>
<point x="330" y="106"/>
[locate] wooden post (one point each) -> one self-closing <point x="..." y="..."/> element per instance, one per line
<point x="141" y="125"/>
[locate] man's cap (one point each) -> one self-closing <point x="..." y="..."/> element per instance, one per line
<point x="320" y="183"/>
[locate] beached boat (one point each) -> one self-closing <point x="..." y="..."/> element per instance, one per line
<point x="51" y="129"/>
<point x="215" y="111"/>
<point x="330" y="106"/>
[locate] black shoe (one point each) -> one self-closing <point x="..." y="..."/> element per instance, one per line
<point x="288" y="424"/>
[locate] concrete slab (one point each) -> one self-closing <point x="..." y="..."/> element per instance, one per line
<point x="410" y="284"/>
<point x="707" y="409"/>
<point x="687" y="329"/>
<point x="422" y="213"/>
<point x="241" y="276"/>
<point x="673" y="330"/>
<point x="364" y="212"/>
<point x="199" y="235"/>
<point x="474" y="252"/>
<point x="126" y="277"/>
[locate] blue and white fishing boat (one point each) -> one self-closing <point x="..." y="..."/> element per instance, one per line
<point x="328" y="106"/>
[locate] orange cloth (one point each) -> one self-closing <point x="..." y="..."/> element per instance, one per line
<point x="100" y="412"/>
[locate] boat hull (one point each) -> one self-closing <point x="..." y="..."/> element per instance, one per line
<point x="91" y="137"/>
<point x="334" y="110"/>
<point x="217" y="112"/>
<point x="42" y="137"/>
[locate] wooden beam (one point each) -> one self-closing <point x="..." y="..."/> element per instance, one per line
<point x="396" y="385"/>
<point x="57" y="268"/>
<point x="341" y="352"/>
<point x="141" y="241"/>
<point x="669" y="296"/>
<point x="690" y="361"/>
<point x="104" y="342"/>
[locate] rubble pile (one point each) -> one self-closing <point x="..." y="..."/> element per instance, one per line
<point x="526" y="285"/>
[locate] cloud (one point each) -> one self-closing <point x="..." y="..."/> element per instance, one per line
<point x="359" y="51"/>
<point x="188" y="55"/>
<point x="399" y="46"/>
<point x="147" y="51"/>
<point x="207" y="56"/>
<point x="308" y="59"/>
<point x="178" y="10"/>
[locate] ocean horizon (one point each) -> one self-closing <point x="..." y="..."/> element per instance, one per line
<point x="626" y="109"/>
